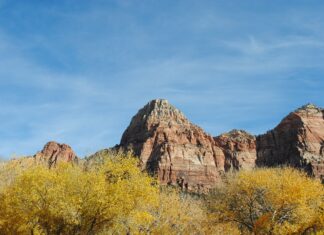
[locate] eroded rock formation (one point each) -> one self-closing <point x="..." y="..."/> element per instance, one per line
<point x="177" y="151"/>
<point x="53" y="153"/>
<point x="181" y="153"/>
<point x="297" y="141"/>
<point x="239" y="148"/>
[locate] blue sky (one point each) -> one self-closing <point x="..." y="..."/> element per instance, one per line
<point x="77" y="71"/>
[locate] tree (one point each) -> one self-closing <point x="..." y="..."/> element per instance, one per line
<point x="177" y="213"/>
<point x="68" y="200"/>
<point x="270" y="201"/>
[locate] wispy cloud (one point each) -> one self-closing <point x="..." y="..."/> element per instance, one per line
<point x="77" y="73"/>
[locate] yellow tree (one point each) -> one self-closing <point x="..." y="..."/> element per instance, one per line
<point x="177" y="213"/>
<point x="270" y="201"/>
<point x="69" y="200"/>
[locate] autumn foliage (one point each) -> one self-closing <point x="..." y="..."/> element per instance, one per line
<point x="270" y="201"/>
<point x="68" y="200"/>
<point x="116" y="197"/>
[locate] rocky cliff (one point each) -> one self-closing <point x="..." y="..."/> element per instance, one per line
<point x="179" y="152"/>
<point x="297" y="141"/>
<point x="239" y="148"/>
<point x="53" y="153"/>
<point x="170" y="146"/>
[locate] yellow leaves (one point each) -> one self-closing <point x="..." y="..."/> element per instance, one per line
<point x="118" y="198"/>
<point x="178" y="214"/>
<point x="280" y="201"/>
<point x="68" y="199"/>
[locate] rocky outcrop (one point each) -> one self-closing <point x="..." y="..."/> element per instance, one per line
<point x="239" y="148"/>
<point x="174" y="149"/>
<point x="53" y="153"/>
<point x="178" y="152"/>
<point x="297" y="141"/>
<point x="181" y="153"/>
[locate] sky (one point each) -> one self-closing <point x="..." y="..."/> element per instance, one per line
<point x="76" y="71"/>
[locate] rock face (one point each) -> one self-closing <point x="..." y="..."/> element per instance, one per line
<point x="53" y="153"/>
<point x="181" y="153"/>
<point x="297" y="141"/>
<point x="174" y="149"/>
<point x="239" y="148"/>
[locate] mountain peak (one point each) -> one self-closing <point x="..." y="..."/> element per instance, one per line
<point x="170" y="146"/>
<point x="308" y="108"/>
<point x="54" y="152"/>
<point x="158" y="105"/>
<point x="158" y="110"/>
<point x="236" y="132"/>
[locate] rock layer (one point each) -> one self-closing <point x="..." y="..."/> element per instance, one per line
<point x="53" y="153"/>
<point x="297" y="141"/>
<point x="239" y="148"/>
<point x="177" y="151"/>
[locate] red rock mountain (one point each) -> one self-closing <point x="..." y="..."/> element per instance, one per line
<point x="180" y="152"/>
<point x="177" y="151"/>
<point x="239" y="148"/>
<point x="297" y="141"/>
<point x="53" y="153"/>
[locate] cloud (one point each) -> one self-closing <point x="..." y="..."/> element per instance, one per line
<point x="77" y="74"/>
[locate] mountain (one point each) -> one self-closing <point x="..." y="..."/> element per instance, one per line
<point x="174" y="149"/>
<point x="239" y="148"/>
<point x="53" y="152"/>
<point x="180" y="153"/>
<point x="50" y="155"/>
<point x="297" y="141"/>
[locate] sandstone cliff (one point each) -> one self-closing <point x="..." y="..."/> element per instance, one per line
<point x="53" y="153"/>
<point x="239" y="148"/>
<point x="177" y="151"/>
<point x="181" y="153"/>
<point x="297" y="141"/>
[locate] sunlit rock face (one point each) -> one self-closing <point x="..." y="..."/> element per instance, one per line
<point x="53" y="153"/>
<point x="170" y="146"/>
<point x="297" y="141"/>
<point x="181" y="153"/>
<point x="239" y="148"/>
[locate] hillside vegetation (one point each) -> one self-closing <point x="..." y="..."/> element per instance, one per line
<point x="116" y="197"/>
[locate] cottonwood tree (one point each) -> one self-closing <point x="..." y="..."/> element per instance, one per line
<point x="69" y="200"/>
<point x="270" y="201"/>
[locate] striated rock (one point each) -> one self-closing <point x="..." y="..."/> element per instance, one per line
<point x="53" y="153"/>
<point x="170" y="146"/>
<point x="239" y="148"/>
<point x="297" y="141"/>
<point x="181" y="153"/>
